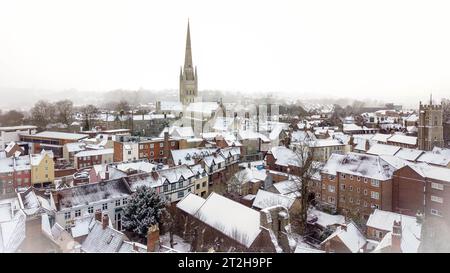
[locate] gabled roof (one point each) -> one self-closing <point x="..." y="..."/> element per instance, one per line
<point x="265" y="199"/>
<point x="103" y="240"/>
<point x="191" y="203"/>
<point x="383" y="149"/>
<point x="351" y="237"/>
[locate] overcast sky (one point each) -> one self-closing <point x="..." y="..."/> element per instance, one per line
<point x="362" y="49"/>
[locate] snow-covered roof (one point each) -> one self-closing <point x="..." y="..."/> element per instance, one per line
<point x="285" y="156"/>
<point x="103" y="240"/>
<point x="171" y="175"/>
<point x="383" y="149"/>
<point x="409" y="154"/>
<point x="91" y="193"/>
<point x="250" y="175"/>
<point x="248" y="134"/>
<point x="191" y="203"/>
<point x="180" y="132"/>
<point x="171" y="106"/>
<point x="326" y="143"/>
<point x="265" y="199"/>
<point x="95" y="152"/>
<point x="381" y="137"/>
<point x="351" y="237"/>
<point x="142" y="166"/>
<point x="204" y="107"/>
<point x="353" y="127"/>
<point x="231" y="218"/>
<point x="398" y="138"/>
<point x="35" y="159"/>
<point x="187" y="156"/>
<point x="82" y="226"/>
<point x="21" y="163"/>
<point x="324" y="219"/>
<point x="433" y="172"/>
<point x="286" y="186"/>
<point x="302" y="136"/>
<point x="12" y="227"/>
<point x="360" y="165"/>
<point x="60" y="135"/>
<point x="438" y="156"/>
<point x="411" y="230"/>
<point x="75" y="147"/>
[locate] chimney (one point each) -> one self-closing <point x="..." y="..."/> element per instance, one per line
<point x="166" y="145"/>
<point x="106" y="172"/>
<point x="367" y="147"/>
<point x="396" y="237"/>
<point x="98" y="216"/>
<point x="135" y="248"/>
<point x="154" y="173"/>
<point x="105" y="220"/>
<point x="327" y="246"/>
<point x="153" y="238"/>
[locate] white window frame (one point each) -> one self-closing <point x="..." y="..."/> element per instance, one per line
<point x="437" y="199"/>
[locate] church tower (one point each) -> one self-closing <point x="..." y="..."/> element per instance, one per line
<point x="188" y="75"/>
<point x="430" y="131"/>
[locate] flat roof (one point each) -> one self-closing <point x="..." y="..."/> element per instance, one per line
<point x="20" y="127"/>
<point x="59" y="135"/>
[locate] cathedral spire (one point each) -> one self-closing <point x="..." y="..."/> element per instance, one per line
<point x="188" y="53"/>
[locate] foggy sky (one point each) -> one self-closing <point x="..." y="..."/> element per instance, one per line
<point x="392" y="50"/>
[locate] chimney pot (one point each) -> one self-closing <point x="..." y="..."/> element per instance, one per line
<point x="153" y="238"/>
<point x="105" y="221"/>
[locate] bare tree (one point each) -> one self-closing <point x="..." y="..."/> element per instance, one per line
<point x="42" y="113"/>
<point x="64" y="111"/>
<point x="305" y="169"/>
<point x="89" y="112"/>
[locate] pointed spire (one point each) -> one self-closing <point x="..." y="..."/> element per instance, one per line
<point x="188" y="53"/>
<point x="431" y="98"/>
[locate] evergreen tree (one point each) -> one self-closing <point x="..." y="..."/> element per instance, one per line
<point x="145" y="208"/>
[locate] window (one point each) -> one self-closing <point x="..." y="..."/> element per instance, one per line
<point x="350" y="200"/>
<point x="323" y="187"/>
<point x="365" y="192"/>
<point x="330" y="188"/>
<point x="172" y="144"/>
<point x="358" y="190"/>
<point x="124" y="201"/>
<point x="331" y="177"/>
<point x="342" y="175"/>
<point x="161" y="144"/>
<point x="365" y="180"/>
<point x="343" y="187"/>
<point x="152" y="153"/>
<point x="166" y="188"/>
<point x="375" y="183"/>
<point x="141" y="154"/>
<point x="180" y="184"/>
<point x="173" y="186"/>
<point x="358" y="201"/>
<point x="141" y="146"/>
<point x="331" y="200"/>
<point x="351" y="177"/>
<point x="437" y="199"/>
<point x="204" y="184"/>
<point x="358" y="178"/>
<point x="129" y="152"/>
<point x="436" y="212"/>
<point x="365" y="204"/>
<point x="90" y="209"/>
<point x="152" y="146"/>
<point x="437" y="186"/>
<point x="342" y="199"/>
<point x="117" y="202"/>
<point x="375" y="206"/>
<point x="351" y="188"/>
<point x="67" y="215"/>
<point x="197" y="186"/>
<point x="180" y="194"/>
<point x="77" y="213"/>
<point x="161" y="152"/>
<point x="375" y="195"/>
<point x="104" y="206"/>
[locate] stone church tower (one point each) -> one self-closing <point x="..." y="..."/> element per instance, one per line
<point x="188" y="75"/>
<point x="431" y="132"/>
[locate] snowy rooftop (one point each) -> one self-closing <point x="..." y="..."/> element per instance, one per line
<point x="171" y="175"/>
<point x="91" y="193"/>
<point x="438" y="156"/>
<point x="411" y="230"/>
<point x="187" y="156"/>
<point x="351" y="237"/>
<point x="247" y="134"/>
<point x="75" y="146"/>
<point x="191" y="203"/>
<point x="103" y="240"/>
<point x="359" y="164"/>
<point x="398" y="138"/>
<point x="286" y="186"/>
<point x="60" y="135"/>
<point x="95" y="152"/>
<point x="324" y="219"/>
<point x="285" y="156"/>
<point x="231" y="218"/>
<point x="383" y="149"/>
<point x="265" y="199"/>
<point x="409" y="154"/>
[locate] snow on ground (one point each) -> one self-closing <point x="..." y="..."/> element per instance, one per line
<point x="179" y="244"/>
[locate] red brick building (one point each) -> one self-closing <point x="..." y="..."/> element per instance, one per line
<point x="422" y="188"/>
<point x="14" y="173"/>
